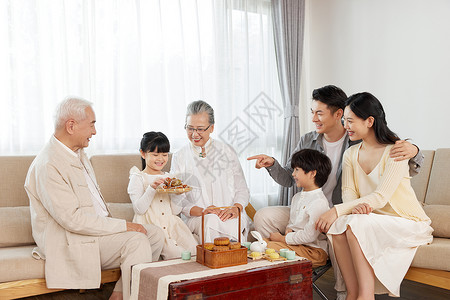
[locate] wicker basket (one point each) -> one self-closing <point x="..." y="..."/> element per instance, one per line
<point x="221" y="259"/>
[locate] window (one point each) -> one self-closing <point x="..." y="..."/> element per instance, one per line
<point x="141" y="63"/>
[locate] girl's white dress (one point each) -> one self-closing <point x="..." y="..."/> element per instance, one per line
<point x="151" y="207"/>
<point x="389" y="241"/>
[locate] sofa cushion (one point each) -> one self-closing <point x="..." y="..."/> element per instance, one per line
<point x="112" y="173"/>
<point x="438" y="190"/>
<point x="121" y="211"/>
<point x="440" y="219"/>
<point x="15" y="224"/>
<point x="19" y="263"/>
<point x="434" y="256"/>
<point x="13" y="172"/>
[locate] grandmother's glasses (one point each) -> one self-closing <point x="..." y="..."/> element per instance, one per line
<point x="190" y="129"/>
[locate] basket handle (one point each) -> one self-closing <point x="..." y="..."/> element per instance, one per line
<point x="203" y="224"/>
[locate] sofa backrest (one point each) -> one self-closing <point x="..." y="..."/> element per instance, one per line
<point x="13" y="171"/>
<point x="420" y="181"/>
<point x="438" y="191"/>
<point x="15" y="222"/>
<point x="112" y="172"/>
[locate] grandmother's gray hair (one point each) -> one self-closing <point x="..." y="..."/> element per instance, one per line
<point x="198" y="107"/>
<point x="71" y="108"/>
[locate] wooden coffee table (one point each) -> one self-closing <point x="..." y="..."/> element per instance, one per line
<point x="279" y="280"/>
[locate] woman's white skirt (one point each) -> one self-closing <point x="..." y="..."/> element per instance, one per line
<point x="389" y="244"/>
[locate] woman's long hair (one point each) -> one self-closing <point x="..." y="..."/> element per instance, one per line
<point x="366" y="105"/>
<point x="154" y="140"/>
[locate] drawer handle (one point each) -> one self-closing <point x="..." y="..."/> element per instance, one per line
<point x="296" y="278"/>
<point x="195" y="297"/>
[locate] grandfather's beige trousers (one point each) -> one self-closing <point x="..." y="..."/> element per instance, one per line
<point x="275" y="219"/>
<point x="129" y="248"/>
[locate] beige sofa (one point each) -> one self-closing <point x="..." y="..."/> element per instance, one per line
<point x="24" y="276"/>
<point x="431" y="265"/>
<point x="21" y="275"/>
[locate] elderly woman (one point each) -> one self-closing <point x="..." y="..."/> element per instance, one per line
<point x="212" y="168"/>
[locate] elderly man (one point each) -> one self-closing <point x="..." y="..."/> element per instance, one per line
<point x="71" y="223"/>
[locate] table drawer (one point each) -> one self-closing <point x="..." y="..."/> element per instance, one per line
<point x="284" y="281"/>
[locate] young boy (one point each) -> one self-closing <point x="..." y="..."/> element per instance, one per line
<point x="311" y="170"/>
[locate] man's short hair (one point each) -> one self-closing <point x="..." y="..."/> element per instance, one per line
<point x="71" y="108"/>
<point x="332" y="96"/>
<point x="312" y="160"/>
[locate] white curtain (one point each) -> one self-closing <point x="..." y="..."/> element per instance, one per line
<point x="141" y="63"/>
<point x="289" y="19"/>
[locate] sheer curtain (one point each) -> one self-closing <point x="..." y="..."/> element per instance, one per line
<point x="289" y="18"/>
<point x="141" y="63"/>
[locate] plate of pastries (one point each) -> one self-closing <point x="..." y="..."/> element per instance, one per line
<point x="269" y="254"/>
<point x="173" y="185"/>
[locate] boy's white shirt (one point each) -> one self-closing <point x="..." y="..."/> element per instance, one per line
<point x="306" y="208"/>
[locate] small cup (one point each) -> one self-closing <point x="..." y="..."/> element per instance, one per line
<point x="283" y="252"/>
<point x="246" y="244"/>
<point x="186" y="255"/>
<point x="290" y="255"/>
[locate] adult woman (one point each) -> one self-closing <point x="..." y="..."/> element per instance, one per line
<point x="213" y="169"/>
<point x="374" y="250"/>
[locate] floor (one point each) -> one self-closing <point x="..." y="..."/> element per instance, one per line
<point x="409" y="291"/>
<point x="103" y="293"/>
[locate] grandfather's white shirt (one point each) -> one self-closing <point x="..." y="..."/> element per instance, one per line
<point x="306" y="208"/>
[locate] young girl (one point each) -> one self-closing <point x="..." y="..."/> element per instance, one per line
<point x="374" y="250"/>
<point x="151" y="207"/>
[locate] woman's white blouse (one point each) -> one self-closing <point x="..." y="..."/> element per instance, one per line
<point x="217" y="179"/>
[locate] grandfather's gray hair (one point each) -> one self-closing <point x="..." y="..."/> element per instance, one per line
<point x="198" y="107"/>
<point x="71" y="108"/>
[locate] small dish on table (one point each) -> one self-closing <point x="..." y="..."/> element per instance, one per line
<point x="173" y="185"/>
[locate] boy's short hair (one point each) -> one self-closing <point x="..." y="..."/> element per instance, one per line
<point x="312" y="160"/>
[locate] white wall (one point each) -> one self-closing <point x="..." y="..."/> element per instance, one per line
<point x="399" y="50"/>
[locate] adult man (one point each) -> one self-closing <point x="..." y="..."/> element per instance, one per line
<point x="71" y="223"/>
<point x="330" y="138"/>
